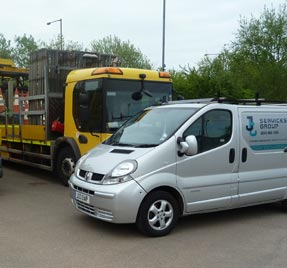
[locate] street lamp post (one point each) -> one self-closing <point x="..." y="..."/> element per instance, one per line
<point x="163" y="36"/>
<point x="61" y="31"/>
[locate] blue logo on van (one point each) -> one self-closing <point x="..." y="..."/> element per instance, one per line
<point x="250" y="126"/>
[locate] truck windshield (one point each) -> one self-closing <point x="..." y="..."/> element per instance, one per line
<point x="103" y="105"/>
<point x="150" y="127"/>
<point x="125" y="98"/>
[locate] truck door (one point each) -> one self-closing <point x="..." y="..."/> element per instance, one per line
<point x="262" y="169"/>
<point x="209" y="179"/>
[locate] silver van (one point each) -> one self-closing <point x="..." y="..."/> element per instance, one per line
<point x="181" y="159"/>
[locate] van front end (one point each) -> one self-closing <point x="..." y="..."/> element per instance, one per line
<point x="117" y="203"/>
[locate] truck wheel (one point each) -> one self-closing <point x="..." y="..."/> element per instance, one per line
<point x="158" y="214"/>
<point x="66" y="163"/>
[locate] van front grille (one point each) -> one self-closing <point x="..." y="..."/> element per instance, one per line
<point x="93" y="211"/>
<point x="89" y="209"/>
<point x="90" y="176"/>
<point x="83" y="190"/>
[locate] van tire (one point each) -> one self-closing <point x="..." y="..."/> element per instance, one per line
<point x="158" y="214"/>
<point x="65" y="166"/>
<point x="284" y="205"/>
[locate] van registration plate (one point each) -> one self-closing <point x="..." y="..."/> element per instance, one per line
<point x="83" y="197"/>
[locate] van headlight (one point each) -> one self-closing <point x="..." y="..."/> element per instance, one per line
<point x="121" y="173"/>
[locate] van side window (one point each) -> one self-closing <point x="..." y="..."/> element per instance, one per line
<point x="211" y="130"/>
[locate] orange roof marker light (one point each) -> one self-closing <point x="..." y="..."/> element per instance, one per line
<point x="164" y="75"/>
<point x="107" y="70"/>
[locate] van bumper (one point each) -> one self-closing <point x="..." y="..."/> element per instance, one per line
<point x="118" y="203"/>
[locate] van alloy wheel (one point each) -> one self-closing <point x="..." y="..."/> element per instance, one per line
<point x="157" y="214"/>
<point x="160" y="215"/>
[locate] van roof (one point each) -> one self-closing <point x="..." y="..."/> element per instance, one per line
<point x="223" y="101"/>
<point x="182" y="105"/>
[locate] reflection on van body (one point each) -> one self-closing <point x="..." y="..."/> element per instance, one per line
<point x="180" y="159"/>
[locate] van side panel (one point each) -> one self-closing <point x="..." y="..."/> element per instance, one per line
<point x="263" y="162"/>
<point x="209" y="179"/>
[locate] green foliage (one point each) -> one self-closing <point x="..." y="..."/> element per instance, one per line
<point x="5" y="47"/>
<point x="66" y="45"/>
<point x="128" y="54"/>
<point x="260" y="51"/>
<point x="256" y="62"/>
<point x="21" y="52"/>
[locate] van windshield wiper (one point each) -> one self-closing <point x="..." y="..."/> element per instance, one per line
<point x="146" y="145"/>
<point x="122" y="144"/>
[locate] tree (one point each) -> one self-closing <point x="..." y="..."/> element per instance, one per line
<point x="260" y="53"/>
<point x="67" y="45"/>
<point x="23" y="47"/>
<point x="5" y="47"/>
<point x="255" y="62"/>
<point x="128" y="54"/>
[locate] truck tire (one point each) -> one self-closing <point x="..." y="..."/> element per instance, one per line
<point x="65" y="166"/>
<point x="158" y="214"/>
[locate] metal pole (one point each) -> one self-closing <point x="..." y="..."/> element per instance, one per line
<point x="163" y="36"/>
<point x="61" y="31"/>
<point x="61" y="34"/>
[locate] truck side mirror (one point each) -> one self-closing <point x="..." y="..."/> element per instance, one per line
<point x="188" y="146"/>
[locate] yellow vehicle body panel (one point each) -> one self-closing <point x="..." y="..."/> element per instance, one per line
<point x="27" y="132"/>
<point x="127" y="73"/>
<point x="33" y="132"/>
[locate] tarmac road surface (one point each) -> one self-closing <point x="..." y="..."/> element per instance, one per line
<point x="40" y="228"/>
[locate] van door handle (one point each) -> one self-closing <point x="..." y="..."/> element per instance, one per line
<point x="244" y="155"/>
<point x="231" y="155"/>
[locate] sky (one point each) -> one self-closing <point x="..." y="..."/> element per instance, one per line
<point x="192" y="28"/>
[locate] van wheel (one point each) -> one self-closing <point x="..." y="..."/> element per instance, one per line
<point x="158" y="214"/>
<point x="284" y="205"/>
<point x="66" y="162"/>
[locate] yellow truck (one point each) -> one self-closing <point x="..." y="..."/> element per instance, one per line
<point x="73" y="102"/>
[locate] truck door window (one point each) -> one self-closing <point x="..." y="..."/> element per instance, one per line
<point x="92" y="119"/>
<point x="211" y="130"/>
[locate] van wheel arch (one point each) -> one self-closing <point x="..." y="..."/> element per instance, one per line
<point x="175" y="194"/>
<point x="162" y="205"/>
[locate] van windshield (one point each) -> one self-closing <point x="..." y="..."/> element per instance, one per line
<point x="150" y="127"/>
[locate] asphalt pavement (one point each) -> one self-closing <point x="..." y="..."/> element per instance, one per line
<point x="39" y="228"/>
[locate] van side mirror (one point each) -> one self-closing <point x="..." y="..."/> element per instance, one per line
<point x="188" y="146"/>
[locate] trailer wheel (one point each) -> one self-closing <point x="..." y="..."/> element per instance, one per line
<point x="158" y="214"/>
<point x="66" y="162"/>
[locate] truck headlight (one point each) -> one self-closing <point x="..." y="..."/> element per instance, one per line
<point x="121" y="173"/>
